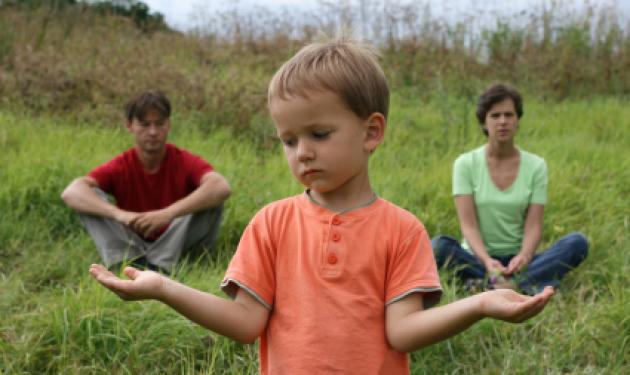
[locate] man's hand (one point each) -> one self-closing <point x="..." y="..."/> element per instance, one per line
<point x="517" y="263"/>
<point x="141" y="284"/>
<point x="125" y="217"/>
<point x="506" y="304"/>
<point x="146" y="223"/>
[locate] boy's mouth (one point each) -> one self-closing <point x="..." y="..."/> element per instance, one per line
<point x="309" y="172"/>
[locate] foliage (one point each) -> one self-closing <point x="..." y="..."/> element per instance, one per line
<point x="136" y="10"/>
<point x="81" y="61"/>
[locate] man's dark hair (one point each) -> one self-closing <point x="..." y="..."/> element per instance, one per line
<point x="138" y="106"/>
<point x="494" y="94"/>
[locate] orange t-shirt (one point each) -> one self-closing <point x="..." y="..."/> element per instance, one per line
<point x="327" y="279"/>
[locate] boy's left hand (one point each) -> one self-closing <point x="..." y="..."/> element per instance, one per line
<point x="506" y="304"/>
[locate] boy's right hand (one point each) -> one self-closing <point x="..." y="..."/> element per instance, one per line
<point x="141" y="284"/>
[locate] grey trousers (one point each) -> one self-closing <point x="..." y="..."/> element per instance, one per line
<point x="116" y="242"/>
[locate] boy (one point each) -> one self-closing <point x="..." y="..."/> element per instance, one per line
<point x="335" y="279"/>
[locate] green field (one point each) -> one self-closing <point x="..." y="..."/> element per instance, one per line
<point x="55" y="319"/>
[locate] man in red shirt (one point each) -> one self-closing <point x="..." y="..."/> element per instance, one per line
<point x="167" y="200"/>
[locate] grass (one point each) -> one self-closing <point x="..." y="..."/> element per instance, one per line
<point x="56" y="319"/>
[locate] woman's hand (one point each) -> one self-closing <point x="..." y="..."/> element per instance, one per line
<point x="141" y="284"/>
<point x="517" y="263"/>
<point x="494" y="267"/>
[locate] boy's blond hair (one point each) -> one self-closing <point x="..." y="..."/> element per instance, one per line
<point x="347" y="68"/>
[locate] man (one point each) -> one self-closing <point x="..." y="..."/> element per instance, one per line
<point x="167" y="199"/>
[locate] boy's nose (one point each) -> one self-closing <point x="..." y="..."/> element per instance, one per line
<point x="304" y="151"/>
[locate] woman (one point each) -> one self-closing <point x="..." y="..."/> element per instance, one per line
<point x="500" y="193"/>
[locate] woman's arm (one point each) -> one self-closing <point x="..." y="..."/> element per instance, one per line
<point x="532" y="233"/>
<point x="467" y="215"/>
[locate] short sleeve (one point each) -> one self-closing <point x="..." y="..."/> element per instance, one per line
<point x="196" y="168"/>
<point x="412" y="269"/>
<point x="105" y="173"/>
<point x="462" y="181"/>
<point x="539" y="181"/>
<point x="252" y="266"/>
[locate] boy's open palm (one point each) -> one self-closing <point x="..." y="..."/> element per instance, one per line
<point x="505" y="304"/>
<point x="141" y="284"/>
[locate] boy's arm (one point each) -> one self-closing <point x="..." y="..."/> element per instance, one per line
<point x="243" y="319"/>
<point x="410" y="328"/>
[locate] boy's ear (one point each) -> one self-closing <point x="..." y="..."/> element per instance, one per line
<point x="375" y="131"/>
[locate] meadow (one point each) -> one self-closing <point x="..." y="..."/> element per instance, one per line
<point x="65" y="73"/>
<point x="56" y="319"/>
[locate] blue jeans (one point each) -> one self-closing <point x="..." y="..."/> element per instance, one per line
<point x="546" y="268"/>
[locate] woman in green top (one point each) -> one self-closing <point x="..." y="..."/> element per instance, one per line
<point x="500" y="193"/>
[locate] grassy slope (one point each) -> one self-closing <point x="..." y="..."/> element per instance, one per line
<point x="56" y="320"/>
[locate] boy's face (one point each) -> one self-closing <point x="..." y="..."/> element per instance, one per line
<point x="326" y="144"/>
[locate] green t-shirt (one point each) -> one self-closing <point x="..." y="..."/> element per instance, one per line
<point x="500" y="213"/>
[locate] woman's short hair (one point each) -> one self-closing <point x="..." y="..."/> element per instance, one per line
<point x="494" y="94"/>
<point x="347" y="68"/>
<point x="138" y="106"/>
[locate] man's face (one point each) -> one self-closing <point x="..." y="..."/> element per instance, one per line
<point x="324" y="141"/>
<point x="151" y="132"/>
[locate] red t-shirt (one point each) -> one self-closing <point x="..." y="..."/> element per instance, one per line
<point x="136" y="190"/>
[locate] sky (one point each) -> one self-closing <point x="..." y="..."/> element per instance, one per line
<point x="180" y="14"/>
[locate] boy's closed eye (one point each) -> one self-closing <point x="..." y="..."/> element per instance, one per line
<point x="321" y="134"/>
<point x="316" y="135"/>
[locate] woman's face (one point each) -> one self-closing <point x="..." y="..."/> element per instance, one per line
<point x="501" y="121"/>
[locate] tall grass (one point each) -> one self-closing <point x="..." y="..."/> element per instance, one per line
<point x="55" y="319"/>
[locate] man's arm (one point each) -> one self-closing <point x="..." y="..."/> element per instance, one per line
<point x="79" y="196"/>
<point x="532" y="233"/>
<point x="211" y="192"/>
<point x="410" y="328"/>
<point x="467" y="215"/>
<point x="242" y="319"/>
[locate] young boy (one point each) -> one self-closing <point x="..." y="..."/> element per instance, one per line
<point x="334" y="279"/>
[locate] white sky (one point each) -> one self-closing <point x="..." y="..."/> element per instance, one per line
<point x="180" y="14"/>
